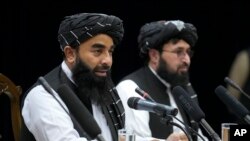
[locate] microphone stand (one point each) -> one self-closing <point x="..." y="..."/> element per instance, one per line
<point x="210" y="131"/>
<point x="168" y="121"/>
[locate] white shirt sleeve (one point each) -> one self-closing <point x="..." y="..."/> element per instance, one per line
<point x="46" y="119"/>
<point x="135" y="120"/>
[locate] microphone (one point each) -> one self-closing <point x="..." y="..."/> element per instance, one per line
<point x="148" y="97"/>
<point x="194" y="111"/>
<point x="239" y="110"/>
<point x="73" y="103"/>
<point x="80" y="112"/>
<point x="49" y="89"/>
<point x="237" y="87"/>
<point x="159" y="109"/>
<point x="144" y="94"/>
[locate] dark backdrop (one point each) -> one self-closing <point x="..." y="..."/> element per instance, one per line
<point x="29" y="46"/>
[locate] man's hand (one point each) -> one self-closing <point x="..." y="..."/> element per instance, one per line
<point x="177" y="137"/>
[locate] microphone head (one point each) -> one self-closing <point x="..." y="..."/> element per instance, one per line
<point x="144" y="94"/>
<point x="79" y="111"/>
<point x="231" y="102"/>
<point x="192" y="109"/>
<point x="132" y="102"/>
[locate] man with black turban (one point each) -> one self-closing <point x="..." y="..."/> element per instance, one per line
<point x="166" y="48"/>
<point x="87" y="41"/>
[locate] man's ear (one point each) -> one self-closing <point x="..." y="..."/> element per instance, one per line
<point x="70" y="54"/>
<point x="154" y="56"/>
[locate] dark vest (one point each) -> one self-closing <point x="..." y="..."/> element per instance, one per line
<point x="55" y="78"/>
<point x="148" y="82"/>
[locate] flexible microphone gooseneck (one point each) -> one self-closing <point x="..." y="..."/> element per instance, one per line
<point x="189" y="128"/>
<point x="237" y="87"/>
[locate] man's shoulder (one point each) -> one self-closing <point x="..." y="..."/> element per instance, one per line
<point x="35" y="90"/>
<point x="52" y="73"/>
<point x="135" y="75"/>
<point x="49" y="76"/>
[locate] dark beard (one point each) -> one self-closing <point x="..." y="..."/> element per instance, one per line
<point x="173" y="78"/>
<point x="90" y="86"/>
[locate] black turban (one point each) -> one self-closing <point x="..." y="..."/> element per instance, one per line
<point x="78" y="28"/>
<point x="155" y="34"/>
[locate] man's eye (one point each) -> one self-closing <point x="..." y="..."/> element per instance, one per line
<point x="179" y="51"/>
<point x="111" y="51"/>
<point x="98" y="51"/>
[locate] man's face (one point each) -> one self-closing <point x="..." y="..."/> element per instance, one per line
<point x="176" y="56"/>
<point x="97" y="54"/>
<point x="174" y="61"/>
<point x="91" y="70"/>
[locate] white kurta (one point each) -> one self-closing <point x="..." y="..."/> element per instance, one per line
<point x="47" y="121"/>
<point x="138" y="120"/>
